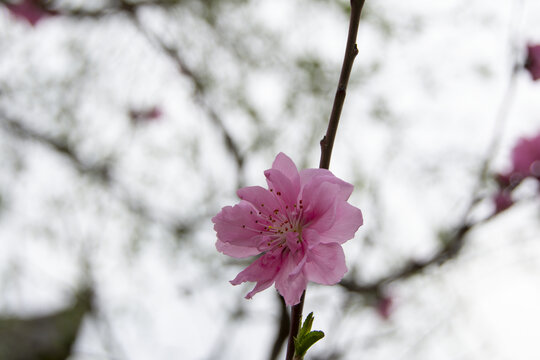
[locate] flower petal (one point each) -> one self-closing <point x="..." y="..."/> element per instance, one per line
<point x="285" y="165"/>
<point x="325" y="264"/>
<point x="282" y="186"/>
<point x="290" y="282"/>
<point x="260" y="198"/>
<point x="347" y="221"/>
<point x="235" y="250"/>
<point x="319" y="202"/>
<point x="235" y="225"/>
<point x="313" y="177"/>
<point x="263" y="271"/>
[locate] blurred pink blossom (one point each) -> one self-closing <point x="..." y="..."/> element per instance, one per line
<point x="29" y="10"/>
<point x="533" y="61"/>
<point x="145" y="115"/>
<point x="525" y="163"/>
<point x="526" y="157"/>
<point x="503" y="200"/>
<point x="297" y="227"/>
<point x="384" y="307"/>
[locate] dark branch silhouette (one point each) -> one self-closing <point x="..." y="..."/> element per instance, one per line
<point x="327" y="143"/>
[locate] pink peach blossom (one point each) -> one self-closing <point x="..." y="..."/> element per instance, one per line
<point x="147" y="115"/>
<point x="502" y="200"/>
<point x="533" y="61"/>
<point x="526" y="157"/>
<point x="297" y="227"/>
<point x="525" y="164"/>
<point x="384" y="307"/>
<point x="29" y="10"/>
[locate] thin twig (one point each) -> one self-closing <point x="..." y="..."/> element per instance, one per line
<point x="199" y="90"/>
<point x="454" y="242"/>
<point x="199" y="94"/>
<point x="327" y="143"/>
<point x="351" y="50"/>
<point x="101" y="171"/>
<point x="452" y="247"/>
<point x="296" y="319"/>
<point x="283" y="329"/>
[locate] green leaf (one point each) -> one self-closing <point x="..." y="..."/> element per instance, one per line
<point x="306" y="338"/>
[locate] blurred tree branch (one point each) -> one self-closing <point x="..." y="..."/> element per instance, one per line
<point x="282" y="328"/>
<point x="453" y="244"/>
<point x="49" y="336"/>
<point x="453" y="241"/>
<point x="199" y="91"/>
<point x="99" y="171"/>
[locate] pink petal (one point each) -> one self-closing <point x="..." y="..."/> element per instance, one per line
<point x="263" y="271"/>
<point x="290" y="282"/>
<point x="282" y="186"/>
<point x="319" y="202"/>
<point x="533" y="61"/>
<point x="503" y="200"/>
<point x="236" y="226"/>
<point x="318" y="176"/>
<point x="260" y="198"/>
<point x="347" y="221"/>
<point x="285" y="165"/>
<point x="30" y="10"/>
<point x="326" y="264"/>
<point x="525" y="154"/>
<point x="235" y="250"/>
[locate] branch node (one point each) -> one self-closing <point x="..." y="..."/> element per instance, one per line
<point x="355" y="50"/>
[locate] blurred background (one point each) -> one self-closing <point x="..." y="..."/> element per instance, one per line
<point x="126" y="125"/>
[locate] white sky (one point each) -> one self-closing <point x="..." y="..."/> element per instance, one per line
<point x="441" y="74"/>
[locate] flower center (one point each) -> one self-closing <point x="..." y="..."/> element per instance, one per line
<point x="279" y="225"/>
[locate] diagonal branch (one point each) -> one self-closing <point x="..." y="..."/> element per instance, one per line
<point x="452" y="247"/>
<point x="282" y="329"/>
<point x="199" y="93"/>
<point x="453" y="242"/>
<point x="99" y="171"/>
<point x="327" y="143"/>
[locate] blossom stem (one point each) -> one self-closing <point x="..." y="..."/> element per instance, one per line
<point x="327" y="143"/>
<point x="296" y="319"/>
<point x="351" y="50"/>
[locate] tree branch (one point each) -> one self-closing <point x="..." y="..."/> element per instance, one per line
<point x="199" y="92"/>
<point x="451" y="249"/>
<point x="283" y="329"/>
<point x="453" y="242"/>
<point x="351" y="50"/>
<point x="327" y="143"/>
<point x="100" y="171"/>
